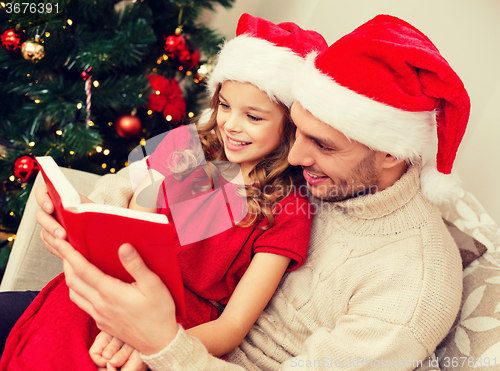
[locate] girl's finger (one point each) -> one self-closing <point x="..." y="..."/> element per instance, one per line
<point x="114" y="352"/>
<point x="96" y="350"/>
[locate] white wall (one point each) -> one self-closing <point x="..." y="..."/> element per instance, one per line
<point x="467" y="33"/>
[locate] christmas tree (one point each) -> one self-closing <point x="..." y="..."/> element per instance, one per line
<point x="86" y="81"/>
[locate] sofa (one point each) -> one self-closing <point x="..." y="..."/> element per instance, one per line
<point x="473" y="341"/>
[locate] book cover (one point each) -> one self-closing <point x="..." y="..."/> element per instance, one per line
<point x="97" y="231"/>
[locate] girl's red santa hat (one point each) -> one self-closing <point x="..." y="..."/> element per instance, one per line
<point x="266" y="55"/>
<point x="386" y="86"/>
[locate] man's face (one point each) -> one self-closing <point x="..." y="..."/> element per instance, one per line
<point x="335" y="168"/>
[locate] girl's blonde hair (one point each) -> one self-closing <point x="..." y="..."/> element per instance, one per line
<point x="273" y="177"/>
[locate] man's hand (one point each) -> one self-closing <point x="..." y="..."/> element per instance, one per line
<point x="51" y="229"/>
<point x="141" y="314"/>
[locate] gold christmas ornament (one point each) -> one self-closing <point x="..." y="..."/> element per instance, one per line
<point x="33" y="50"/>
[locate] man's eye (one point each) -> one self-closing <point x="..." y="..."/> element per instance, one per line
<point x="323" y="148"/>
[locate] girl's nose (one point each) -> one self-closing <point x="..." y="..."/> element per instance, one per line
<point x="233" y="123"/>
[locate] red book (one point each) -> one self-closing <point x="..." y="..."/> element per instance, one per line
<point x="97" y="231"/>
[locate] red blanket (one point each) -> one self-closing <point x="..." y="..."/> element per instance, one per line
<point x="54" y="334"/>
<point x="51" y="337"/>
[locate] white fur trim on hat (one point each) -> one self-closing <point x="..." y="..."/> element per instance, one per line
<point x="381" y="127"/>
<point x="250" y="59"/>
<point x="438" y="187"/>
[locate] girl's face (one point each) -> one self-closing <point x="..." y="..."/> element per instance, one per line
<point x="249" y="122"/>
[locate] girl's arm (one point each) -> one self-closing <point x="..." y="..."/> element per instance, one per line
<point x="249" y="299"/>
<point x="144" y="198"/>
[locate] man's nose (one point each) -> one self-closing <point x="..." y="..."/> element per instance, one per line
<point x="300" y="153"/>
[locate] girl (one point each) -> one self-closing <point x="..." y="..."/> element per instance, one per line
<point x="238" y="268"/>
<point x="241" y="267"/>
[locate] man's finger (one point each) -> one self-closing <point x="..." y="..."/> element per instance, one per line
<point x="48" y="241"/>
<point x="50" y="224"/>
<point x="82" y="303"/>
<point x="80" y="266"/>
<point x="43" y="200"/>
<point x="133" y="264"/>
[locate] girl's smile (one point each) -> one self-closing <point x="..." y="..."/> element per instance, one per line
<point x="250" y="124"/>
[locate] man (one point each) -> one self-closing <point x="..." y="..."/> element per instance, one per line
<point x="381" y="286"/>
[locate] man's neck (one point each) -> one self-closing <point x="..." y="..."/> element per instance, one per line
<point x="389" y="176"/>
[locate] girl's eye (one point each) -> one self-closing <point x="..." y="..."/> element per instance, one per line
<point x="224" y="105"/>
<point x="254" y="118"/>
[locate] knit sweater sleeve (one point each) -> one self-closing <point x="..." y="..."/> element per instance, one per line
<point x="179" y="355"/>
<point x="118" y="189"/>
<point x="338" y="348"/>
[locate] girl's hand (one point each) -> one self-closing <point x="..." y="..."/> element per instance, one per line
<point x="141" y="314"/>
<point x="110" y="353"/>
<point x="133" y="363"/>
<point x="51" y="229"/>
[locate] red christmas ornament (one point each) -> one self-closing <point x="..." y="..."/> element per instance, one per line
<point x="174" y="45"/>
<point x="128" y="126"/>
<point x="166" y="97"/>
<point x="12" y="40"/>
<point x="188" y="60"/>
<point x="26" y="168"/>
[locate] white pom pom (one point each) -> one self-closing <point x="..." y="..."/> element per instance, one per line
<point x="438" y="187"/>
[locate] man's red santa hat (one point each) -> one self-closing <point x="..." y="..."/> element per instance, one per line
<point x="386" y="86"/>
<point x="266" y="55"/>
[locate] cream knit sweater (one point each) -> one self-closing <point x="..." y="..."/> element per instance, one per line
<point x="380" y="288"/>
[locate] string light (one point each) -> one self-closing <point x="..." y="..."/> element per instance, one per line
<point x="98" y="149"/>
<point x="3" y="4"/>
<point x="12" y="178"/>
<point x="110" y="123"/>
<point x="142" y="142"/>
<point x="70" y="22"/>
<point x="47" y="34"/>
<point x="37" y="101"/>
<point x="150" y="112"/>
<point x="188" y="73"/>
<point x="190" y="114"/>
<point x="203" y="70"/>
<point x="112" y="170"/>
<point x="104" y="165"/>
<point x="106" y="152"/>
<point x="157" y="92"/>
<point x="91" y="123"/>
<point x="31" y="144"/>
<point x="28" y="75"/>
<point x="71" y="153"/>
<point x="59" y="132"/>
<point x="96" y="83"/>
<point x="79" y="106"/>
<point x="11" y="238"/>
<point x="11" y="213"/>
<point x="168" y="118"/>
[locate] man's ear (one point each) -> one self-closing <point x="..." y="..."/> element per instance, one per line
<point x="387" y="161"/>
